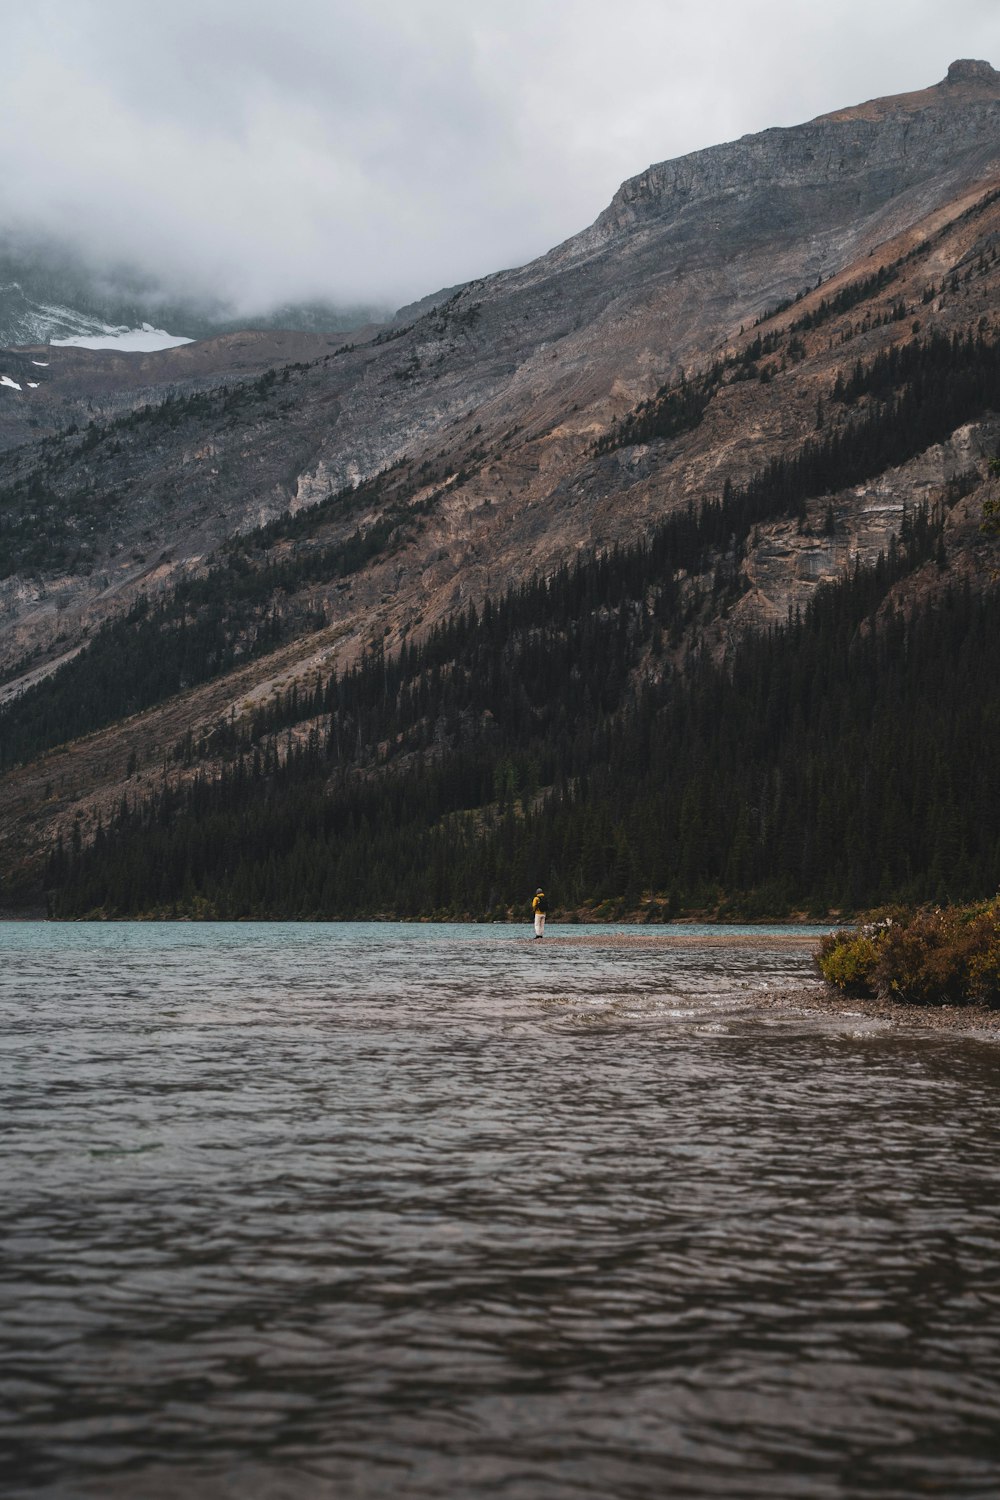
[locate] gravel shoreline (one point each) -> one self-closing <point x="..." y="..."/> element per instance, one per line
<point x="963" y="1020"/>
<point x="682" y="939"/>
<point x="979" y="1021"/>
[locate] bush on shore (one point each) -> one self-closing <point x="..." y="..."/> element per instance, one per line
<point x="935" y="956"/>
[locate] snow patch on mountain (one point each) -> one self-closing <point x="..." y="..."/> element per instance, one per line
<point x="131" y="340"/>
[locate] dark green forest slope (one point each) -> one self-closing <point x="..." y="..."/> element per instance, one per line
<point x="831" y="763"/>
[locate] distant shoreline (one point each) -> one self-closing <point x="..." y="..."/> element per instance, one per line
<point x="680" y="929"/>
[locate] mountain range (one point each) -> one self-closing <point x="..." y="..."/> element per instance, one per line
<point x="762" y="385"/>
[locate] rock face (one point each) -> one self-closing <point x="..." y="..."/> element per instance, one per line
<point x="498" y="390"/>
<point x="838" y="161"/>
<point x="23" y="321"/>
<point x="967" y="70"/>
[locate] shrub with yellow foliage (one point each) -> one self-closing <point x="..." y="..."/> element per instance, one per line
<point x="934" y="956"/>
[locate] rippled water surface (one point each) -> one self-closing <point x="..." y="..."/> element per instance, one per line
<point x="377" y="1210"/>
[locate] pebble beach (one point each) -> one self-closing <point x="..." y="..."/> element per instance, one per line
<point x="980" y="1021"/>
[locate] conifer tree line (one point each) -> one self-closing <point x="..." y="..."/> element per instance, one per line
<point x="847" y="297"/>
<point x="833" y="763"/>
<point x="247" y="605"/>
<point x="906" y="399"/>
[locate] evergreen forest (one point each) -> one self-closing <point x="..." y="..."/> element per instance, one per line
<point x="844" y="759"/>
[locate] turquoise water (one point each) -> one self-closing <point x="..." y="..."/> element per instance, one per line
<point x="373" y="1209"/>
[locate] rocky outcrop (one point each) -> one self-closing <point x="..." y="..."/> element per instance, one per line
<point x="968" y="70"/>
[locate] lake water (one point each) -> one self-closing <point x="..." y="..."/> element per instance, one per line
<point x="384" y="1210"/>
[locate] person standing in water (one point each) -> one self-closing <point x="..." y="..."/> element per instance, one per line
<point x="539" y="906"/>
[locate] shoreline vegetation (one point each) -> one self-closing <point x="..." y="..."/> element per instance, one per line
<point x="932" y="956"/>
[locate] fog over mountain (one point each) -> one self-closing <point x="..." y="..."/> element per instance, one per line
<point x="51" y="290"/>
<point x="367" y="156"/>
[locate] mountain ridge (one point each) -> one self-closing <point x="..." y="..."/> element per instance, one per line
<point x="459" y="450"/>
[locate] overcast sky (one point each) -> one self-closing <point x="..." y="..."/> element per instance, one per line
<point x="376" y="150"/>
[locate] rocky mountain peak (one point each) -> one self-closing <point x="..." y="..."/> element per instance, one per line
<point x="882" y="148"/>
<point x="971" y="70"/>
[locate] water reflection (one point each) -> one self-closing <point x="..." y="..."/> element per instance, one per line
<point x="438" y="1211"/>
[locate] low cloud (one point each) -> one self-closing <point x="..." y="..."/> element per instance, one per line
<point x="372" y="154"/>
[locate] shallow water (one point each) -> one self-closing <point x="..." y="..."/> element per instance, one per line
<point x="370" y="1210"/>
